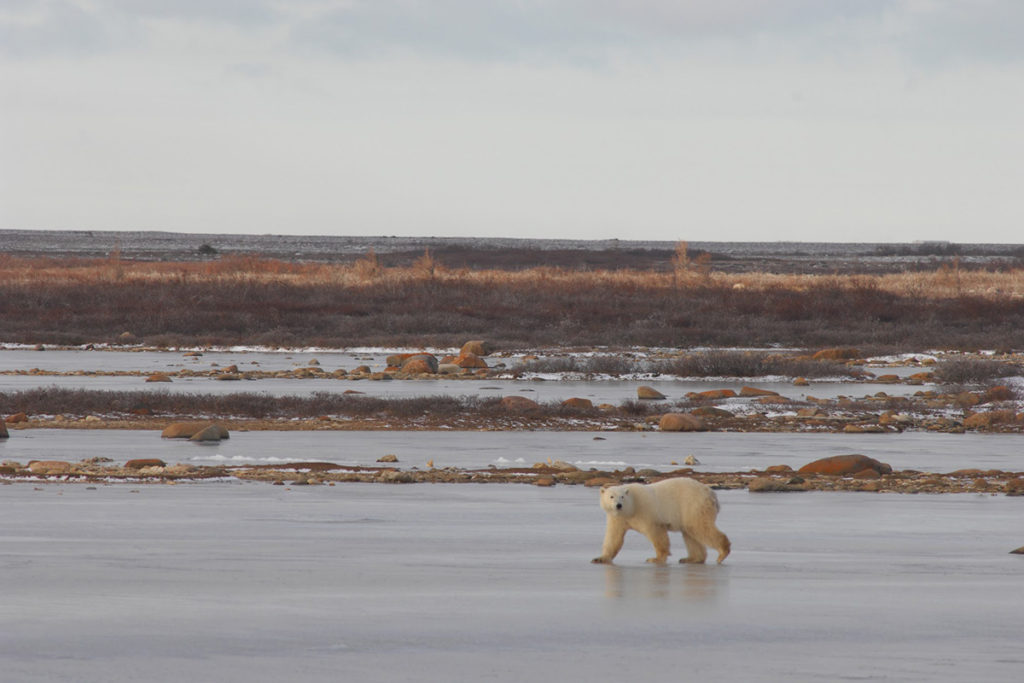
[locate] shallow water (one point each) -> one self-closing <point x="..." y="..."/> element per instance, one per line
<point x="716" y="451"/>
<point x="251" y="582"/>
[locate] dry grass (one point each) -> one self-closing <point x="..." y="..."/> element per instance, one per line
<point x="248" y="299"/>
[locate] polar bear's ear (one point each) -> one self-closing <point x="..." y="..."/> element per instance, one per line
<point x="605" y="487"/>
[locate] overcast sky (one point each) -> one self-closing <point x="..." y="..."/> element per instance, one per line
<point x="763" y="120"/>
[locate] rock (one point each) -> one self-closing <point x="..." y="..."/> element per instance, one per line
<point x="448" y="369"/>
<point x="691" y="460"/>
<point x="477" y="347"/>
<point x="420" y="364"/>
<point x="470" y="360"/>
<point x="209" y="433"/>
<point x="864" y="429"/>
<point x="837" y="354"/>
<point x="578" y="403"/>
<point x="519" y="403"/>
<point x="840" y="465"/>
<point x="562" y="466"/>
<point x="778" y="469"/>
<point x="754" y="391"/>
<point x="770" y="485"/>
<point x="159" y="377"/>
<point x="888" y="379"/>
<point x="396" y="360"/>
<point x="681" y="422"/>
<point x="801" y="382"/>
<point x="712" y="395"/>
<point x="362" y="370"/>
<point x="1015" y="487"/>
<point x="600" y="481"/>
<point x="645" y="393"/>
<point x="544" y="480"/>
<point x="998" y="393"/>
<point x="4" y="434"/>
<point x="186" y="430"/>
<point x="139" y="463"/>
<point x="921" y="377"/>
<point x="388" y="458"/>
<point x="992" y="417"/>
<point x="49" y="467"/>
<point x="809" y="412"/>
<point x="16" y="418"/>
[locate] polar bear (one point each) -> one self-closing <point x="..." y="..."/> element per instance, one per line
<point x="678" y="504"/>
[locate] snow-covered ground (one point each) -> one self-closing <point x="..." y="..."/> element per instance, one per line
<point x="249" y="582"/>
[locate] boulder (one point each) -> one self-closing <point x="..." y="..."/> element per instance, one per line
<point x="711" y="411"/>
<point x="448" y="369"/>
<point x="837" y="354"/>
<point x="209" y="433"/>
<point x="139" y="463"/>
<point x="49" y="467"/>
<point x="421" y="363"/>
<point x="159" y="377"/>
<point x="645" y="393"/>
<point x="712" y="395"/>
<point x="987" y="419"/>
<point x="477" y="347"/>
<point x="578" y="403"/>
<point x="844" y="465"/>
<point x="770" y="485"/>
<point x="888" y="379"/>
<point x="749" y="392"/>
<point x="388" y="458"/>
<point x="998" y="393"/>
<point x="801" y="382"/>
<point x="470" y="360"/>
<point x="519" y="403"/>
<point x="396" y="360"/>
<point x="681" y="422"/>
<point x="3" y="430"/>
<point x="186" y="430"/>
<point x="16" y="418"/>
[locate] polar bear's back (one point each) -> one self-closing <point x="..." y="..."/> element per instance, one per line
<point x="672" y="501"/>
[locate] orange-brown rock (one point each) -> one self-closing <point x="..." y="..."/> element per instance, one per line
<point x="888" y="379"/>
<point x="711" y="411"/>
<point x="801" y="382"/>
<point x="712" y="395"/>
<point x="210" y="433"/>
<point x="519" y="403"/>
<point x="987" y="419"/>
<point x="16" y="418"/>
<point x="395" y="360"/>
<point x="186" y="430"/>
<point x="778" y="469"/>
<point x="838" y="465"/>
<point x="470" y="360"/>
<point x="837" y="354"/>
<point x="139" y="463"/>
<point x="681" y="422"/>
<point x="49" y="467"/>
<point x="645" y="393"/>
<point x="159" y="377"/>
<point x="3" y="430"/>
<point x="754" y="391"/>
<point x="578" y="403"/>
<point x="773" y="400"/>
<point x="421" y="363"/>
<point x="922" y="377"/>
<point x="477" y="347"/>
<point x="998" y="393"/>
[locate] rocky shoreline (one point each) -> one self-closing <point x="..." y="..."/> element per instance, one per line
<point x="96" y="471"/>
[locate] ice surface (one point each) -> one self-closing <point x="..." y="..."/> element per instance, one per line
<point x="363" y="582"/>
<point x="716" y="451"/>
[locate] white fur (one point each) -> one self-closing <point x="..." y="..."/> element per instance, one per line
<point x="678" y="504"/>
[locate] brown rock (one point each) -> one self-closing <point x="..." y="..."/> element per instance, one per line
<point x="470" y="360"/>
<point x="477" y="347"/>
<point x="778" y="469"/>
<point x="49" y="467"/>
<point x="388" y="458"/>
<point x="159" y="377"/>
<point x="578" y="403"/>
<point x="4" y="434"/>
<point x="921" y="377"/>
<point x="770" y="485"/>
<point x="712" y="395"/>
<point x="519" y="403"/>
<point x="645" y="393"/>
<point x="544" y="480"/>
<point x="210" y="433"/>
<point x="837" y="354"/>
<point x="801" y="382"/>
<point x="139" y="463"/>
<point x="396" y="360"/>
<point x="754" y="391"/>
<point x="998" y="393"/>
<point x="601" y="481"/>
<point x="181" y="430"/>
<point x="987" y="419"/>
<point x="839" y="465"/>
<point x="773" y="400"/>
<point x="888" y="379"/>
<point x="867" y="474"/>
<point x="421" y="363"/>
<point x="16" y="418"/>
<point x="681" y="422"/>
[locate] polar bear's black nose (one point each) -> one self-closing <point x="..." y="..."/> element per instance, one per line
<point x="618" y="506"/>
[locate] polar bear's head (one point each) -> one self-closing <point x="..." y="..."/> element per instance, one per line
<point x="617" y="500"/>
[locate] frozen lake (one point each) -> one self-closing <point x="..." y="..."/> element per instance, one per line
<point x="363" y="582"/>
<point x="716" y="451"/>
<point x="598" y="391"/>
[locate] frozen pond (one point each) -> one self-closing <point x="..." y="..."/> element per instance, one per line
<point x="363" y="582"/>
<point x="716" y="451"/>
<point x="598" y="391"/>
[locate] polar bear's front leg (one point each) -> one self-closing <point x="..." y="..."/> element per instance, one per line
<point x="614" y="534"/>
